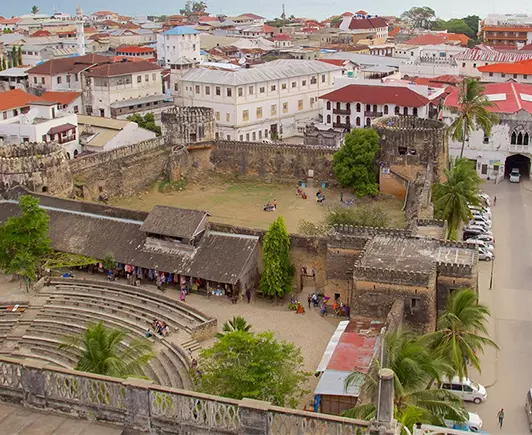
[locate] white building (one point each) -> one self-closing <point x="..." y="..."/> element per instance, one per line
<point x="178" y="44"/>
<point x="271" y="100"/>
<point x="26" y="118"/>
<point x="117" y="90"/>
<point x="509" y="144"/>
<point x="100" y="16"/>
<point x="357" y="105"/>
<point x="9" y="24"/>
<point x="131" y="37"/>
<point x="469" y="60"/>
<point x="104" y="134"/>
<point x="521" y="72"/>
<point x="375" y="26"/>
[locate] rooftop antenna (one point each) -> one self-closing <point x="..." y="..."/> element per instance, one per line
<point x="283" y="16"/>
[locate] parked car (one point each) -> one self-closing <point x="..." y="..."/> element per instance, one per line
<point x="465" y="388"/>
<point x="477" y="230"/>
<point x="474" y="422"/>
<point x="484" y="216"/>
<point x="515" y="175"/>
<point x="481" y="244"/>
<point x="485" y="197"/>
<point x="486" y="211"/>
<point x="479" y="225"/>
<point x="477" y="220"/>
<point x="485" y="255"/>
<point x="484" y="237"/>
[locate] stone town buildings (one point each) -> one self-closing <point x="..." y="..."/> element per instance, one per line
<point x="506" y="30"/>
<point x="365" y="27"/>
<point x="178" y="47"/>
<point x="508" y="144"/>
<point x="267" y="101"/>
<point x="520" y="72"/>
<point x="468" y="61"/>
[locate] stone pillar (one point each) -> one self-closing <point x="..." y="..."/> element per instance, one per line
<point x="137" y="402"/>
<point x="385" y="424"/>
<point x="254" y="417"/>
<point x="33" y="383"/>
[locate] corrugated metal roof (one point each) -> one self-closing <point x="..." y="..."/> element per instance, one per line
<point x="276" y="70"/>
<point x="489" y="55"/>
<point x="96" y="121"/>
<point x="332" y="384"/>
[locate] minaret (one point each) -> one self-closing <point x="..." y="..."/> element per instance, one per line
<point x="80" y="32"/>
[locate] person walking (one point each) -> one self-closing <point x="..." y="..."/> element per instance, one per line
<point x="500" y="416"/>
<point x="494" y="201"/>
<point x="309" y="299"/>
<point x="341" y="196"/>
<point x="248" y="294"/>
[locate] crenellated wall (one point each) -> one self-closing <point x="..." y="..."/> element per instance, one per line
<point x="385" y="275"/>
<point x="370" y="231"/>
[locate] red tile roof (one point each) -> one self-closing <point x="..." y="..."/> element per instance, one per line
<point x="367" y="23"/>
<point x="134" y="49"/>
<point x="116" y="59"/>
<point x="59" y="97"/>
<point x="282" y="37"/>
<point x="336" y="62"/>
<point x="361" y="12"/>
<point x="122" y="68"/>
<point x="509" y="97"/>
<point x="68" y="64"/>
<point x="253" y="16"/>
<point x="208" y="19"/>
<point x="440" y="38"/>
<point x="9" y="21"/>
<point x="268" y="29"/>
<point x="522" y="67"/>
<point x="103" y="13"/>
<point x="373" y="94"/>
<point x="14" y="99"/>
<point x="347" y="14"/>
<point x="42" y="33"/>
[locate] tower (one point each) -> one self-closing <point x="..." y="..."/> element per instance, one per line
<point x="80" y="32"/>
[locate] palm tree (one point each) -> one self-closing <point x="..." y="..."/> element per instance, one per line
<point x="35" y="9"/>
<point x="451" y="198"/>
<point x="472" y="111"/>
<point x="237" y="323"/>
<point x="415" y="368"/>
<point x="105" y="352"/>
<point x="462" y="331"/>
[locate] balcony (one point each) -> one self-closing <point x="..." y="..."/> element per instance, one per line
<point x="372" y="114"/>
<point x="519" y="149"/>
<point x="66" y="139"/>
<point x="342" y="111"/>
<point x="341" y="125"/>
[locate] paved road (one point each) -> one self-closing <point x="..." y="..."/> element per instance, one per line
<point x="509" y="371"/>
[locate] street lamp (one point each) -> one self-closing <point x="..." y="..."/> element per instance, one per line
<point x="491" y="276"/>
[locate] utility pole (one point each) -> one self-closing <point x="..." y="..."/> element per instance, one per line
<point x="283" y="16"/>
<point x="491" y="276"/>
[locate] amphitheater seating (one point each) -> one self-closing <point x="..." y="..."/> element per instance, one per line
<point x="10" y="314"/>
<point x="68" y="305"/>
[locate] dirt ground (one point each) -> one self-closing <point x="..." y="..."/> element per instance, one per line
<point x="241" y="203"/>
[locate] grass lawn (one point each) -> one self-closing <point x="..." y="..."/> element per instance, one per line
<point x="241" y="202"/>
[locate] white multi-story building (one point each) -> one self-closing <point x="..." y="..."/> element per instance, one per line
<point x="178" y="44"/>
<point x="521" y="72"/>
<point x="27" y="118"/>
<point x="509" y="144"/>
<point x="271" y="100"/>
<point x="357" y="105"/>
<point x="471" y="59"/>
<point x="117" y="90"/>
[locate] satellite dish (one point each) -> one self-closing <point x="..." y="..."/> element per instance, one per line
<point x="241" y="61"/>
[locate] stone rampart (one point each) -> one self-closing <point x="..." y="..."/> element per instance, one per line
<point x="370" y="231"/>
<point x="142" y="406"/>
<point x="386" y="275"/>
<point x="42" y="167"/>
<point x="189" y="124"/>
<point x="455" y="270"/>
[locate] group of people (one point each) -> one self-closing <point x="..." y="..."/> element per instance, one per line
<point x="160" y="327"/>
<point x="320" y="197"/>
<point x="300" y="192"/>
<point x="270" y="206"/>
<point x="339" y="308"/>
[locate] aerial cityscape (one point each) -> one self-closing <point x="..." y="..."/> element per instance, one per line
<point x="277" y="219"/>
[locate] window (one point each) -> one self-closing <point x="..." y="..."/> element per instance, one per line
<point x="42" y="81"/>
<point x="217" y="116"/>
<point x="358" y="121"/>
<point x="218" y="91"/>
<point x="414" y="303"/>
<point x="300" y="105"/>
<point x="139" y="79"/>
<point x="15" y="112"/>
<point x="147" y="78"/>
<point x="503" y="75"/>
<point x="405" y="110"/>
<point x="294" y="84"/>
<point x="154" y="77"/>
<point x="328" y="119"/>
<point x="259" y="112"/>
<point x="491" y="74"/>
<point x="513" y="139"/>
<point x="414" y="111"/>
<point x="474" y="65"/>
<point x="525" y="76"/>
<point x="250" y="90"/>
<point x="273" y="110"/>
<point x="35" y="80"/>
<point x="76" y="109"/>
<point x="313" y="80"/>
<point x="303" y="83"/>
<point x="197" y="89"/>
<point x="486" y="139"/>
<point x="401" y="150"/>
<point x="265" y="132"/>
<point x="247" y="137"/>
<point x="273" y="88"/>
<point x="254" y="135"/>
<point x="515" y="76"/>
<point x="262" y="90"/>
<point x="68" y="78"/>
<point x="285" y="107"/>
<point x="525" y="139"/>
<point x="227" y="117"/>
<point x="241" y="138"/>
<point x="328" y="105"/>
<point x="386" y="109"/>
<point x="283" y="86"/>
<point x="229" y="92"/>
<point x="463" y="64"/>
<point x="245" y="116"/>
<point x="484" y="169"/>
<point x="4" y="115"/>
<point x="59" y="80"/>
<point x="207" y="90"/>
<point x="260" y="134"/>
<point x="323" y="78"/>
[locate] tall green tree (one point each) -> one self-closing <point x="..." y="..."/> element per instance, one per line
<point x="147" y="121"/>
<point x="472" y="22"/>
<point x="35" y="9"/>
<point x="276" y="279"/>
<point x="24" y="240"/>
<point x="462" y="331"/>
<point x="354" y="162"/>
<point x="14" y="58"/>
<point x="19" y="56"/>
<point x="2" y="64"/>
<point x="255" y="366"/>
<point x="106" y="351"/>
<point x="456" y="25"/>
<point x="451" y="198"/>
<point x="472" y="112"/>
<point x="237" y="323"/>
<point x="416" y="367"/>
<point x="419" y="17"/>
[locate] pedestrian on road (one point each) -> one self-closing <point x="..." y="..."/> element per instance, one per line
<point x="341" y="196"/>
<point x="494" y="201"/>
<point x="500" y="416"/>
<point x="248" y="294"/>
<point x="309" y="299"/>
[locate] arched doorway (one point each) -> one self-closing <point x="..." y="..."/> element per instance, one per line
<point x="518" y="161"/>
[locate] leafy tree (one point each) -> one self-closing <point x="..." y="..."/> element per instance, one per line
<point x="276" y="22"/>
<point x="10" y="63"/>
<point x="354" y="162"/>
<point x="35" y="9"/>
<point x="104" y="351"/>
<point x="14" y="57"/>
<point x="451" y="198"/>
<point x="193" y="7"/>
<point x="462" y="331"/>
<point x="456" y="25"/>
<point x="416" y="367"/>
<point x="237" y="323"/>
<point x="199" y="6"/>
<point x="419" y="17"/>
<point x="147" y="121"/>
<point x="472" y="112"/>
<point x="24" y="240"/>
<point x="108" y="261"/>
<point x="366" y="215"/>
<point x="256" y="366"/>
<point x="61" y="260"/>
<point x="276" y="279"/>
<point x="336" y="21"/>
<point x="19" y="56"/>
<point x="472" y="22"/>
<point x="2" y="64"/>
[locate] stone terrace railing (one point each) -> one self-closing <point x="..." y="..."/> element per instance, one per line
<point x="143" y="406"/>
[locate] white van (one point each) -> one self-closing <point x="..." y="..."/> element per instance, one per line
<point x="466" y="389"/>
<point x="515" y="176"/>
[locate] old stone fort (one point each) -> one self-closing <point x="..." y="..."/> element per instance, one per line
<point x="407" y="272"/>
